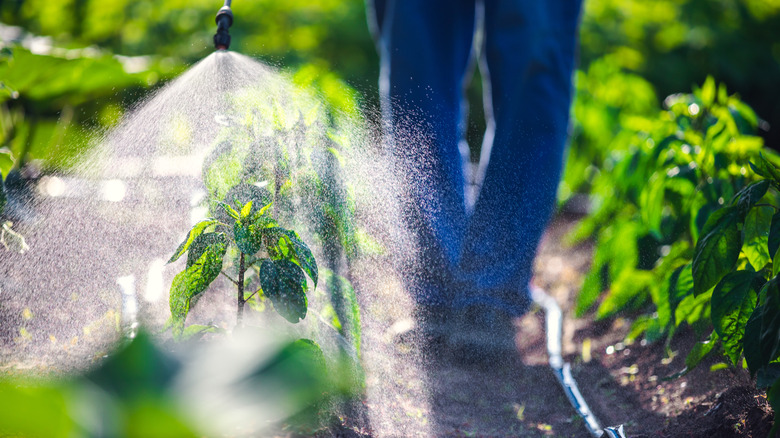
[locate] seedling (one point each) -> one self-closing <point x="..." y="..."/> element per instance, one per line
<point x="277" y="258"/>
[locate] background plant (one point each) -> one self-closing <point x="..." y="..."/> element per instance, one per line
<point x="683" y="230"/>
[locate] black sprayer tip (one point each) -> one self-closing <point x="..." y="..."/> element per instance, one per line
<point x="224" y="20"/>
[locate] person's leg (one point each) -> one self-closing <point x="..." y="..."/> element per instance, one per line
<point x="529" y="51"/>
<point x="426" y="48"/>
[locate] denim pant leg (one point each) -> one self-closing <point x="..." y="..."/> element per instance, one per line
<point x="529" y="51"/>
<point x="425" y="47"/>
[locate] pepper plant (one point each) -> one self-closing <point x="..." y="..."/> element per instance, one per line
<point x="276" y="257"/>
<point x="687" y="232"/>
<point x="745" y="285"/>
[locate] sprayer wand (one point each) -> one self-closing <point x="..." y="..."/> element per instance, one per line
<point x="224" y="21"/>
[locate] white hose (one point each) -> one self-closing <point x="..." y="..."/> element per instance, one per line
<point x="562" y="370"/>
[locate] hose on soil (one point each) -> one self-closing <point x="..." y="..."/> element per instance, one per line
<point x="554" y="330"/>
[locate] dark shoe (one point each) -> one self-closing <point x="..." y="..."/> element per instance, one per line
<point x="482" y="335"/>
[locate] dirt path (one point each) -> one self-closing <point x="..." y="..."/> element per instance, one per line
<point x="408" y="395"/>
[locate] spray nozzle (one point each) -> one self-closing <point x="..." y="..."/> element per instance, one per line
<point x="224" y="21"/>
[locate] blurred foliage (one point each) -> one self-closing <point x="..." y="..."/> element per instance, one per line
<point x="677" y="43"/>
<point x="671" y="43"/>
<point x="330" y="33"/>
<point x="143" y="391"/>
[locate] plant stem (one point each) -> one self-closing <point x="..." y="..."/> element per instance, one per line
<point x="229" y="278"/>
<point x="240" y="284"/>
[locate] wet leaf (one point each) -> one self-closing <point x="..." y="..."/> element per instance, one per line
<point x="733" y="301"/>
<point x="196" y="331"/>
<point x="717" y="251"/>
<point x="230" y="211"/>
<point x="191" y="235"/>
<point x="246" y="209"/>
<point x="237" y="198"/>
<point x="202" y="243"/>
<point x="286" y="244"/>
<point x="193" y="281"/>
<point x="249" y="236"/>
<point x="284" y="283"/>
<point x="11" y="240"/>
<point x="3" y="197"/>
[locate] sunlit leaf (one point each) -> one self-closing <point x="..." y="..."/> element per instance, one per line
<point x="700" y="351"/>
<point x="191" y="235"/>
<point x="717" y="251"/>
<point x="756" y="236"/>
<point x="193" y="281"/>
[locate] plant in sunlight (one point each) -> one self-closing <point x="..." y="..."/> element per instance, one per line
<point x="272" y="258"/>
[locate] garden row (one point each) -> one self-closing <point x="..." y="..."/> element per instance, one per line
<point x="685" y="203"/>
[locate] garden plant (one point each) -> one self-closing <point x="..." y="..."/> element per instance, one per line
<point x="687" y="232"/>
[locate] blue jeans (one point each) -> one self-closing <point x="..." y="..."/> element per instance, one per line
<point x="485" y="254"/>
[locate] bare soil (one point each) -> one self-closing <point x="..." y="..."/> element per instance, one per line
<point x="623" y="384"/>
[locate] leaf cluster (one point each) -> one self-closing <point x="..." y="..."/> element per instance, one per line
<point x="687" y="230"/>
<point x="277" y="257"/>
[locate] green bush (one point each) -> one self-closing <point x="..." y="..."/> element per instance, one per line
<point x="686" y="229"/>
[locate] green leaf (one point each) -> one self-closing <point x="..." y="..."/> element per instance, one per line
<point x="776" y="265"/>
<point x="202" y="243"/>
<point x="288" y="245"/>
<point x="773" y="242"/>
<point x="766" y="169"/>
<point x="717" y="251"/>
<point x="191" y="235"/>
<point x="197" y="331"/>
<point x="756" y="236"/>
<point x="652" y="203"/>
<point x="748" y="196"/>
<point x="733" y="301"/>
<point x="193" y="281"/>
<point x="237" y="198"/>
<point x="230" y="211"/>
<point x="262" y="211"/>
<point x="284" y="283"/>
<point x="680" y="285"/>
<point x="6" y="163"/>
<point x="769" y="308"/>
<point x="246" y="209"/>
<point x="244" y="239"/>
<point x="773" y="397"/>
<point x="11" y="240"/>
<point x="707" y="92"/>
<point x="3" y="197"/>
<point x="700" y="351"/>
<point x="249" y="236"/>
<point x="768" y="375"/>
<point x="630" y="286"/>
<point x="751" y="343"/>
